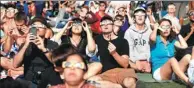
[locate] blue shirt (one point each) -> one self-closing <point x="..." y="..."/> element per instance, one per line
<point x="125" y="25"/>
<point x="161" y="53"/>
<point x="25" y="7"/>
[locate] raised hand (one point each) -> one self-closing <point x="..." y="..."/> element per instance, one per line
<point x="68" y="25"/>
<point x="85" y="26"/>
<point x="111" y="48"/>
<point x="39" y="43"/>
<point x="30" y="38"/>
<point x="25" y="29"/>
<point x="175" y="29"/>
<point x="149" y="12"/>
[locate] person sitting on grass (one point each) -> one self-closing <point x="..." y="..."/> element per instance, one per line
<point x="164" y="39"/>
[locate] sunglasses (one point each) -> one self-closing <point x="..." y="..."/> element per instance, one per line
<point x="118" y="19"/>
<point x="76" y="24"/>
<point x="78" y="65"/>
<point x="166" y="27"/>
<point x="38" y="26"/>
<point x="191" y="14"/>
<point x="10" y="10"/>
<point x="139" y="15"/>
<point x="106" y="22"/>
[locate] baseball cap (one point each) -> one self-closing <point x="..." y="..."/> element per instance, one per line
<point x="139" y="9"/>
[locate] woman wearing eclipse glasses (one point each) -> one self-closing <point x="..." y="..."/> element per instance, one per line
<point x="80" y="36"/>
<point x="164" y="39"/>
<point x="71" y="65"/>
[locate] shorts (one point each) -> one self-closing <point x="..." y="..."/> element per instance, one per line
<point x="117" y="75"/>
<point x="156" y="75"/>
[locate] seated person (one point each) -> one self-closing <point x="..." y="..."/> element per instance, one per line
<point x="80" y="37"/>
<point x="113" y="52"/>
<point x="72" y="67"/>
<point x="164" y="39"/>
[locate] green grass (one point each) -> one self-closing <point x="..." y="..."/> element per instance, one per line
<point x="141" y="84"/>
<point x="146" y="81"/>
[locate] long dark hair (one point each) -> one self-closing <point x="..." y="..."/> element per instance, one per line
<point x="172" y="35"/>
<point x="61" y="54"/>
<point x="83" y="33"/>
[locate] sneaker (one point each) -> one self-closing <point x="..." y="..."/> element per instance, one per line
<point x="190" y="72"/>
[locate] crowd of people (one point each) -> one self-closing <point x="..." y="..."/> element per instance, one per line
<point x="94" y="44"/>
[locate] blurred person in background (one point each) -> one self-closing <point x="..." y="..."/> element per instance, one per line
<point x="101" y="13"/>
<point x="172" y="16"/>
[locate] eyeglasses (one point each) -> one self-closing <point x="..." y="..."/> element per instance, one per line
<point x="78" y="65"/>
<point x="38" y="26"/>
<point x="76" y="24"/>
<point x="140" y="15"/>
<point x="102" y="5"/>
<point x="191" y="13"/>
<point x="118" y="19"/>
<point x="121" y="10"/>
<point x="106" y="22"/>
<point x="10" y="10"/>
<point x="166" y="27"/>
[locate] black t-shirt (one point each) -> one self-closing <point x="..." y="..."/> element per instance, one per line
<point x="106" y="58"/>
<point x="81" y="48"/>
<point x="35" y="60"/>
<point x="185" y="31"/>
<point x="50" y="78"/>
<point x="121" y="34"/>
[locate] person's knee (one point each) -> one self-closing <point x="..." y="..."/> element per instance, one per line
<point x="95" y="78"/>
<point x="171" y="60"/>
<point x="94" y="69"/>
<point x="129" y="82"/>
<point x="96" y="66"/>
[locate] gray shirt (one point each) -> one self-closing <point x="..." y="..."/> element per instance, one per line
<point x="139" y="47"/>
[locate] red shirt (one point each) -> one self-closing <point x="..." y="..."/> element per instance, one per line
<point x="95" y="27"/>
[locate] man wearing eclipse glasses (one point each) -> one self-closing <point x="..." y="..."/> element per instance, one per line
<point x="35" y="54"/>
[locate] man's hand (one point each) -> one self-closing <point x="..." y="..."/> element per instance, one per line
<point x="30" y="38"/>
<point x="149" y="12"/>
<point x="111" y="48"/>
<point x="138" y="65"/>
<point x="40" y="43"/>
